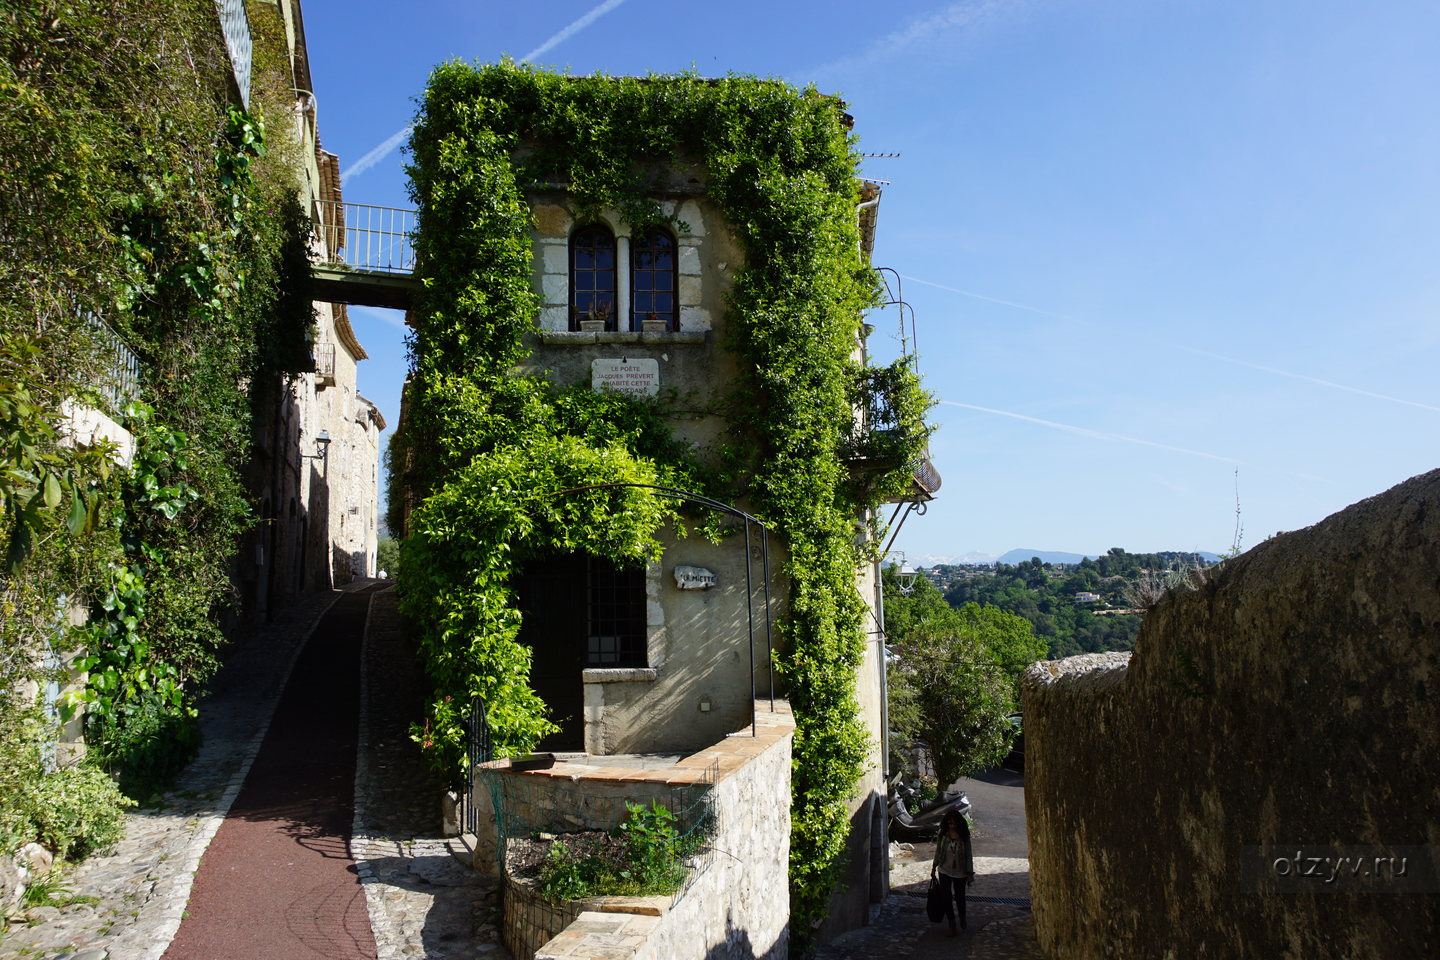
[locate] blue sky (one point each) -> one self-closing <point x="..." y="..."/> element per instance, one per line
<point x="1149" y="243"/>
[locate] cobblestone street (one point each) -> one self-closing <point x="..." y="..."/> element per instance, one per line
<point x="996" y="931"/>
<point x="423" y="901"/>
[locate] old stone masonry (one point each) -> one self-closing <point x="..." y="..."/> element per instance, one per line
<point x="422" y="901"/>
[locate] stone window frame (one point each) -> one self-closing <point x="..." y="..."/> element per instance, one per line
<point x="654" y="638"/>
<point x="557" y="222"/>
<point x="618" y="300"/>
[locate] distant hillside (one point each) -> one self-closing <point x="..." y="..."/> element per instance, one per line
<point x="1021" y="554"/>
<point x="1079" y="605"/>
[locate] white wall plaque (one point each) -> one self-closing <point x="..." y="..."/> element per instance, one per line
<point x="695" y="578"/>
<point x="638" y="377"/>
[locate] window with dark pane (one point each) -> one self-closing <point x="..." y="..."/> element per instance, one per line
<point x="592" y="276"/>
<point x="616" y="635"/>
<point x="653" y="257"/>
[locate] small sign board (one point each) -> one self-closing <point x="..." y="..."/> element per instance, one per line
<point x="639" y="377"/>
<point x="695" y="578"/>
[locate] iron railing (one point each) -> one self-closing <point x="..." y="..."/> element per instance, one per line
<point x="118" y="380"/>
<point x="322" y="354"/>
<point x="364" y="237"/>
<point x="478" y="750"/>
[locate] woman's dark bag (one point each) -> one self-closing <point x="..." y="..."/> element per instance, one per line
<point x="935" y="902"/>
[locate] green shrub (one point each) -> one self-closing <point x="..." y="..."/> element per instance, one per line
<point x="643" y="857"/>
<point x="73" y="811"/>
<point x="78" y="811"/>
<point x="387" y="557"/>
<point x="145" y="748"/>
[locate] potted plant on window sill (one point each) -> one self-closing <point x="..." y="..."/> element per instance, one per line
<point x="654" y="324"/>
<point x="596" y="319"/>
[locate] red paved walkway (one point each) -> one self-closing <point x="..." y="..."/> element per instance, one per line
<point x="278" y="882"/>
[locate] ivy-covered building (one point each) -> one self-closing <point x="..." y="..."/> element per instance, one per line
<point x="164" y="179"/>
<point x="639" y="361"/>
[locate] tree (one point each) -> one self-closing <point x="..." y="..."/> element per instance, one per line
<point x="947" y="690"/>
<point x="1010" y="639"/>
<point x="954" y="680"/>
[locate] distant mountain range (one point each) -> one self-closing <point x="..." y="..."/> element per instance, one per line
<point x="1024" y="553"/>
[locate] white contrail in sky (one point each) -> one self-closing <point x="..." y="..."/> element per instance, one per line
<point x="394" y="140"/>
<point x="574" y="28"/>
<point x="376" y="155"/>
<point x="981" y="296"/>
<point x="1087" y="432"/>
<point x="952" y="16"/>
<point x="1180" y="346"/>
<point x="1324" y="383"/>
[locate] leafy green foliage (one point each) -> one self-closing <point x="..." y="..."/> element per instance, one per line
<point x="71" y="810"/>
<point x="484" y="449"/>
<point x="956" y="676"/>
<point x="387" y="556"/>
<point x="40" y="478"/>
<point x="138" y="198"/>
<point x="1044" y="594"/>
<point x="647" y="861"/>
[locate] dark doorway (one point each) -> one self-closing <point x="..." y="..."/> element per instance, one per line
<point x="579" y="611"/>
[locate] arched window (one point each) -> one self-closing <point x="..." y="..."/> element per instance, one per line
<point x="592" y="276"/>
<point x="652" y="279"/>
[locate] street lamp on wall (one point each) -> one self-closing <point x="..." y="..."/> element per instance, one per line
<point x="905" y="575"/>
<point x="322" y="447"/>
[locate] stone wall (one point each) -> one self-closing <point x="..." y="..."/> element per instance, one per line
<point x="1284" y="704"/>
<point x="736" y="903"/>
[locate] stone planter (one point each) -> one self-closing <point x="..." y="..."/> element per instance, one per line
<point x="655" y="326"/>
<point x="592" y="326"/>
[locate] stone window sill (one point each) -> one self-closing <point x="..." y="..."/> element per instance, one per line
<point x="619" y="675"/>
<point x="622" y="336"/>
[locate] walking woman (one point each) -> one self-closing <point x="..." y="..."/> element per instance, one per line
<point x="954" y="865"/>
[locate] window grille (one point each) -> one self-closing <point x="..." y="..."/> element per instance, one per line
<point x="652" y="279"/>
<point x="616" y="628"/>
<point x="592" y="276"/>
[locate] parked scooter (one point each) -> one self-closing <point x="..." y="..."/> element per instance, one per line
<point x="926" y="823"/>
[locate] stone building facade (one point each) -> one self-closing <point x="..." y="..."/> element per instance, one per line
<point x="314" y="472"/>
<point x="690" y="680"/>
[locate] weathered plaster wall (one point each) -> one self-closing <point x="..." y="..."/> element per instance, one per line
<point x="699" y="656"/>
<point x="1288" y="700"/>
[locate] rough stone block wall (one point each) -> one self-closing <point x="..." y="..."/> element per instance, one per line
<point x="737" y="903"/>
<point x="1286" y="701"/>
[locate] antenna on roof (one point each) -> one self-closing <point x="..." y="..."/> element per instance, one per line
<point x="881" y="155"/>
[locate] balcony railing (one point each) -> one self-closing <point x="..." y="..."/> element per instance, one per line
<point x="323" y="354"/>
<point x="364" y="237"/>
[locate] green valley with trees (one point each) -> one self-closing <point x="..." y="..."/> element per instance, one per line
<point x="1053" y="596"/>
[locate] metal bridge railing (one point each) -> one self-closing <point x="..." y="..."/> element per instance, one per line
<point x="365" y="237"/>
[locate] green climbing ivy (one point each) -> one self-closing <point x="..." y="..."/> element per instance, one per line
<point x="138" y="199"/>
<point x="484" y="448"/>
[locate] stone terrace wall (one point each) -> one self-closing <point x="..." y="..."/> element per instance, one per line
<point x="1287" y="700"/>
<point x="737" y="905"/>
